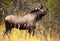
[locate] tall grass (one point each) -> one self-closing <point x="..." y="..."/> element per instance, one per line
<point x="23" y="35"/>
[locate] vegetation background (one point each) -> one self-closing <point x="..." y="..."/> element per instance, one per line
<point x="47" y="29"/>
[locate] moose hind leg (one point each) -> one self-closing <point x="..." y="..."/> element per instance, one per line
<point x="7" y="28"/>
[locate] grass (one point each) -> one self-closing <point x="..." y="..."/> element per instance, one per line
<point x="23" y="35"/>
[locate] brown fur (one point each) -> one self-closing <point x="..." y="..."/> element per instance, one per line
<point x="29" y="19"/>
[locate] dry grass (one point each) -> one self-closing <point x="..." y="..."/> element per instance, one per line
<point x="23" y="35"/>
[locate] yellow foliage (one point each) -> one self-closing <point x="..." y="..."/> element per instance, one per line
<point x="22" y="35"/>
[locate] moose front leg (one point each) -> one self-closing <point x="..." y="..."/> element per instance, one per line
<point x="23" y="27"/>
<point x="31" y="31"/>
<point x="31" y="28"/>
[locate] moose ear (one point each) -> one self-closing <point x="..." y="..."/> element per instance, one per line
<point x="36" y="8"/>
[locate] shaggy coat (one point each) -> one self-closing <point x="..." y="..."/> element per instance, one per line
<point x="26" y="22"/>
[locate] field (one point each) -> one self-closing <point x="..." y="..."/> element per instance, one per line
<point x="47" y="24"/>
<point x="23" y="35"/>
<point x="17" y="35"/>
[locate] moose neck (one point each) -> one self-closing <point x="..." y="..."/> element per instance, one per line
<point x="35" y="13"/>
<point x="38" y="15"/>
